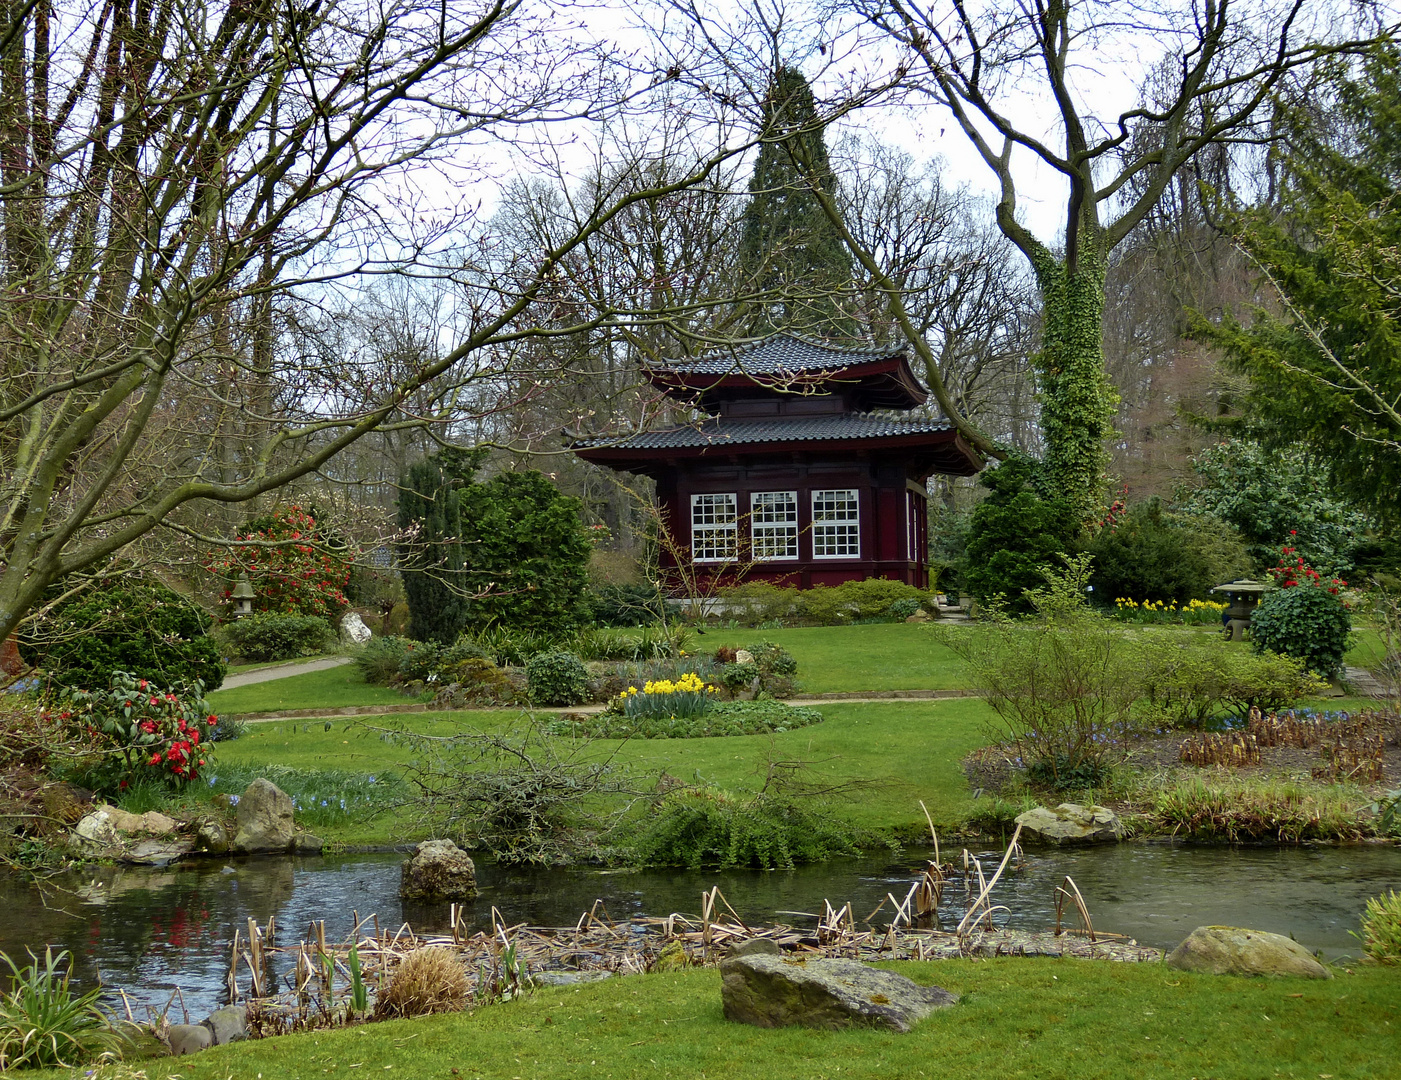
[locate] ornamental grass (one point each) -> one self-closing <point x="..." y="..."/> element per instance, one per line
<point x="428" y="981"/>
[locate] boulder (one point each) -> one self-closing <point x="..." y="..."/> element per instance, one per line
<point x="672" y="958"/>
<point x="264" y="818"/>
<point x="826" y="993"/>
<point x="212" y="838"/>
<point x="151" y="823"/>
<point x="305" y="843"/>
<point x="157" y="852"/>
<point x="569" y="978"/>
<point x="439" y="870"/>
<point x="1071" y="823"/>
<point x="95" y="833"/>
<point x="918" y="617"/>
<point x="756" y="946"/>
<point x="189" y="1039"/>
<point x="229" y="1024"/>
<point x="353" y="628"/>
<point x="744" y="656"/>
<point x="1230" y="950"/>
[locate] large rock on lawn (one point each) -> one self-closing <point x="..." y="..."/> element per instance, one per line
<point x="1230" y="950"/>
<point x="826" y="993"/>
<point x="1071" y="823"/>
<point x="438" y="871"/>
<point x="353" y="629"/>
<point x="264" y="818"/>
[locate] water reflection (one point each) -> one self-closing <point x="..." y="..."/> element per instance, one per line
<point x="148" y="931"/>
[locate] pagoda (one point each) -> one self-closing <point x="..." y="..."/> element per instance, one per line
<point x="799" y="469"/>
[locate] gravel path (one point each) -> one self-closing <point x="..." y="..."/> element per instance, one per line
<point x="281" y="671"/>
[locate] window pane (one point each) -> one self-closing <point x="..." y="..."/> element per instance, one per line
<point x="713" y="527"/>
<point x="773" y="527"/>
<point x="836" y="528"/>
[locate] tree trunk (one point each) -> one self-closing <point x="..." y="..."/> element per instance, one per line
<point x="1077" y="400"/>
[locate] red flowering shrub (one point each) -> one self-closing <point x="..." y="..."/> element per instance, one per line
<point x="147" y="729"/>
<point x="298" y="574"/>
<point x="1292" y="570"/>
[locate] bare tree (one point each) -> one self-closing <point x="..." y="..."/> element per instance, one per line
<point x="981" y="62"/>
<point x="176" y="180"/>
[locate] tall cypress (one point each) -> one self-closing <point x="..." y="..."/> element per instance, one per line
<point x="431" y="559"/>
<point x="789" y="248"/>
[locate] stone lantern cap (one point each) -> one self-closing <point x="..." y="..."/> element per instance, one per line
<point x="243" y="590"/>
<point x="1242" y="585"/>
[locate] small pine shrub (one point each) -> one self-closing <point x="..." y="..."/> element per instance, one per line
<point x="379" y="658"/>
<point x="429" y="980"/>
<point x="1306" y="622"/>
<point x="1381" y="928"/>
<point x="557" y="678"/>
<point x="270" y="636"/>
<point x="903" y="609"/>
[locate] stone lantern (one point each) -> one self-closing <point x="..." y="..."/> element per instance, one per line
<point x="242" y="596"/>
<point x="1242" y="598"/>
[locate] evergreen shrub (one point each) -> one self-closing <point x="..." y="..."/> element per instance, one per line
<point x="268" y="636"/>
<point x="1306" y="622"/>
<point x="1150" y="554"/>
<point x="557" y="678"/>
<point x="379" y="658"/>
<point x="625" y="605"/>
<point x="1014" y="534"/>
<point x="854" y="601"/>
<point x="132" y="624"/>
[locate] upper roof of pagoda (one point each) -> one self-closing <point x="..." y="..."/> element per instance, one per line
<point x="788" y="366"/>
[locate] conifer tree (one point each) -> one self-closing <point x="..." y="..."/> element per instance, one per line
<point x="431" y="560"/>
<point x="789" y="249"/>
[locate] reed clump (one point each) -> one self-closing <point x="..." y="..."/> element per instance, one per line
<point x="428" y="980"/>
<point x="1381" y="928"/>
<point x="1276" y="810"/>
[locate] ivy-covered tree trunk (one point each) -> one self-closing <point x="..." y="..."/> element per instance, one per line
<point x="1077" y="399"/>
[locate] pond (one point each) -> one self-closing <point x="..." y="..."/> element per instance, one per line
<point x="147" y="931"/>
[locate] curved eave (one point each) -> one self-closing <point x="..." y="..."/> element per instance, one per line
<point x="943" y="452"/>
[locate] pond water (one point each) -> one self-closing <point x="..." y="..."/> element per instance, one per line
<point x="147" y="931"/>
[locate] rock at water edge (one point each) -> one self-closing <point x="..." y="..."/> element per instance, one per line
<point x="439" y="870"/>
<point x="229" y="1024"/>
<point x="827" y="993"/>
<point x="189" y="1039"/>
<point x="305" y="843"/>
<point x="264" y="819"/>
<point x="1231" y="950"/>
<point x="95" y="833"/>
<point x="1071" y="823"/>
<point x="353" y="628"/>
<point x="212" y="838"/>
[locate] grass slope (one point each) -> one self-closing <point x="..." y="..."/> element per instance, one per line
<point x="1031" y="1018"/>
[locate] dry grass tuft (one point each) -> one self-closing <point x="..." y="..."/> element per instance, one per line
<point x="430" y="980"/>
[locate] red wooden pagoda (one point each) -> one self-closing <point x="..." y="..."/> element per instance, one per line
<point x="799" y="469"/>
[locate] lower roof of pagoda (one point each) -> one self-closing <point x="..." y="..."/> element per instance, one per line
<point x="936" y="442"/>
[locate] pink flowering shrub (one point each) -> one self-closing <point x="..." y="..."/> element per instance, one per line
<point x="144" y="729"/>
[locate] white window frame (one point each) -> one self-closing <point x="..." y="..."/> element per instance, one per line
<point x="773" y="525"/>
<point x="836" y="523"/>
<point x="714" y="527"/>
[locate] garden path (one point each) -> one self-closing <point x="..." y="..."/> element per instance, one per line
<point x="281" y="671"/>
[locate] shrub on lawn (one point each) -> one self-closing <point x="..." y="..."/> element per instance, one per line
<point x="557" y="678"/>
<point x="855" y="601"/>
<point x="269" y="636"/>
<point x="142" y="730"/>
<point x="379" y="658"/>
<point x="757" y="602"/>
<point x="698" y="827"/>
<point x="1192" y="682"/>
<point x="1061" y="686"/>
<point x="1304" y="621"/>
<point x="1381" y="928"/>
<point x="126" y="624"/>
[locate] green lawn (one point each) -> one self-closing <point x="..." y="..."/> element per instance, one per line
<point x="845" y="659"/>
<point x="333" y="688"/>
<point x="915" y="747"/>
<point x="1018" y="1018"/>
